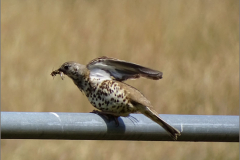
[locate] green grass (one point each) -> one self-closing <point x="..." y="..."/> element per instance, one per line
<point x="194" y="43"/>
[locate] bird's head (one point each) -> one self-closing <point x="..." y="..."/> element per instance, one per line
<point x="71" y="69"/>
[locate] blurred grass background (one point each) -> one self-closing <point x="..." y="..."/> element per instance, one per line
<point x="194" y="43"/>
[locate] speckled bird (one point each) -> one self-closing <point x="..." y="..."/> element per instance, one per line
<point x="101" y="81"/>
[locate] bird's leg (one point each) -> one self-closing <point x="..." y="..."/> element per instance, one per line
<point x="102" y="114"/>
<point x="107" y="115"/>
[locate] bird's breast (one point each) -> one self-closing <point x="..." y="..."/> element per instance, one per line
<point x="108" y="96"/>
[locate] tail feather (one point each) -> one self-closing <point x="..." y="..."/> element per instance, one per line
<point x="174" y="133"/>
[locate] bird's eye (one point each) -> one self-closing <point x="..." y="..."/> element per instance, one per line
<point x="66" y="67"/>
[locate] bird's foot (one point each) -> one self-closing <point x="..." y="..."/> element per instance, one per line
<point x="108" y="116"/>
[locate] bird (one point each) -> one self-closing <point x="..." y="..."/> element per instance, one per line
<point x="102" y="81"/>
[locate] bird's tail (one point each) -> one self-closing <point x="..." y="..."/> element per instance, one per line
<point x="174" y="133"/>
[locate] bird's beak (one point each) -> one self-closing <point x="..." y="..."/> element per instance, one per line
<point x="61" y="70"/>
<point x="58" y="71"/>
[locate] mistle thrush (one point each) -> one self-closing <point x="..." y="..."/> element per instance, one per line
<point x="102" y="82"/>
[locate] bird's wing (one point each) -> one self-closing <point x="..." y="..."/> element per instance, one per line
<point x="122" y="70"/>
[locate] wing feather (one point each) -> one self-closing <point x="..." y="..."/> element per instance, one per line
<point x="122" y="70"/>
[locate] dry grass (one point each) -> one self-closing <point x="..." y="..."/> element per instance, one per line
<point x="194" y="43"/>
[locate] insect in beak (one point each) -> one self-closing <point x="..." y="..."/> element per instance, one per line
<point x="62" y="75"/>
<point x="54" y="73"/>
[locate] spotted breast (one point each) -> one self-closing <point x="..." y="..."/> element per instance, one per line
<point x="108" y="96"/>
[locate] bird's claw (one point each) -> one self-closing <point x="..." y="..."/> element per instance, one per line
<point x="107" y="116"/>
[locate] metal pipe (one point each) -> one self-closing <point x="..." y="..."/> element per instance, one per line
<point x="90" y="126"/>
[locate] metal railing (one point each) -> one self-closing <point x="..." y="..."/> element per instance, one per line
<point x="89" y="126"/>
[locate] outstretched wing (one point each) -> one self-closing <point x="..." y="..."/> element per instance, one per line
<point x="122" y="70"/>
